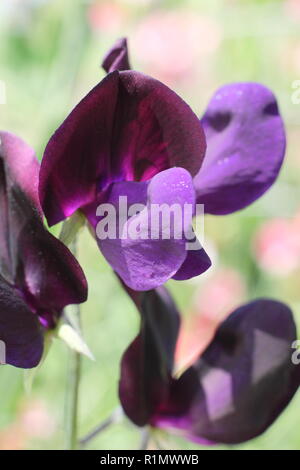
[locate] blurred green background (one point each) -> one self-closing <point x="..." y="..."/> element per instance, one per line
<point x="50" y="56"/>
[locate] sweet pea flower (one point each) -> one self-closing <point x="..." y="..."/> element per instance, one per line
<point x="132" y="136"/>
<point x="39" y="276"/>
<point x="245" y="139"/>
<point x="233" y="391"/>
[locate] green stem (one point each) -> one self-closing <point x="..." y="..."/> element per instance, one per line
<point x="72" y="390"/>
<point x="145" y="439"/>
<point x="112" y="419"/>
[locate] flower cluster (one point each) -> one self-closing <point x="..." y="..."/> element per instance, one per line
<point x="132" y="136"/>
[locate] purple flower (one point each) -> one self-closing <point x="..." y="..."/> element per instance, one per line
<point x="233" y="391"/>
<point x="38" y="275"/>
<point x="132" y="136"/>
<point x="245" y="138"/>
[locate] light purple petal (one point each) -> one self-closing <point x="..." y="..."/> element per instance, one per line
<point x="158" y="251"/>
<point x="245" y="147"/>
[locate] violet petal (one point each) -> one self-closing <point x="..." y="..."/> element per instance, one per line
<point x="245" y="147"/>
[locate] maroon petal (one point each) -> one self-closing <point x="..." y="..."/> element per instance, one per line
<point x="129" y="127"/>
<point x="47" y="270"/>
<point x="20" y="331"/>
<point x="76" y="158"/>
<point x="245" y="147"/>
<point x="18" y="166"/>
<point x="147" y="364"/>
<point x="31" y="258"/>
<point x="243" y="380"/>
<point x="117" y="57"/>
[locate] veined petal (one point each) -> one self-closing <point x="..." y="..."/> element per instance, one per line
<point x="20" y="331"/>
<point x="128" y="128"/>
<point x="245" y="147"/>
<point x="243" y="380"/>
<point x="148" y="362"/>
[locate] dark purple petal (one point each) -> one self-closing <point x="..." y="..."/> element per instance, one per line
<point x="20" y="165"/>
<point x="129" y="127"/>
<point x="77" y="155"/>
<point x="245" y="147"/>
<point x="117" y="57"/>
<point x="18" y="168"/>
<point x="148" y="362"/>
<point x="243" y="380"/>
<point x="196" y="263"/>
<point x="47" y="270"/>
<point x="158" y="252"/>
<point x="20" y="329"/>
<point x="31" y="258"/>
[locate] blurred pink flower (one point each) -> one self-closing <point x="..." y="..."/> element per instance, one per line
<point x="12" y="438"/>
<point x="105" y="16"/>
<point x="33" y="421"/>
<point x="277" y="246"/>
<point x="213" y="302"/>
<point x="172" y="44"/>
<point x="37" y="421"/>
<point x="292" y="8"/>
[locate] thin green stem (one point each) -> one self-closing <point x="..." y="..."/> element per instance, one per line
<point x="72" y="400"/>
<point x="112" y="419"/>
<point x="145" y="439"/>
<point x="72" y="389"/>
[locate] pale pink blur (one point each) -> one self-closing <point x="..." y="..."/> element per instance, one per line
<point x="213" y="302"/>
<point x="34" y="421"/>
<point x="276" y="246"/>
<point x="171" y="45"/>
<point x="106" y="17"/>
<point x="292" y="9"/>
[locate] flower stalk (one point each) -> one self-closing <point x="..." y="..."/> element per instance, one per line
<point x="115" y="417"/>
<point x="73" y="381"/>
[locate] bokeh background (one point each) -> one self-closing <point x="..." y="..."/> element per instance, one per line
<point x="51" y="52"/>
